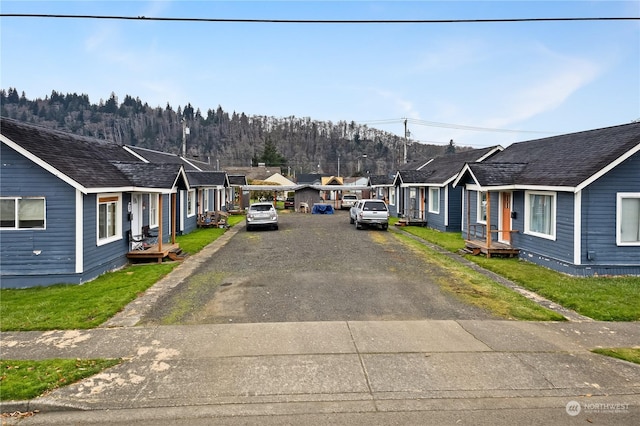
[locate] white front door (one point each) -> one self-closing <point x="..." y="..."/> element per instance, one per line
<point x="136" y="214"/>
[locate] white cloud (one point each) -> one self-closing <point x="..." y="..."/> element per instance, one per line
<point x="546" y="92"/>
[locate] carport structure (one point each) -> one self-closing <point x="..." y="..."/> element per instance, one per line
<point x="305" y="193"/>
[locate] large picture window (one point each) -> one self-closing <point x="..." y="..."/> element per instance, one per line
<point x="540" y="214"/>
<point x="109" y="218"/>
<point x="628" y="219"/>
<point x="434" y="200"/>
<point x="22" y="213"/>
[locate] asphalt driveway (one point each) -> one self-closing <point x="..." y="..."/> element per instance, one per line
<point x="314" y="268"/>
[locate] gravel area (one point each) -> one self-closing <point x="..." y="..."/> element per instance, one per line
<point x="314" y="268"/>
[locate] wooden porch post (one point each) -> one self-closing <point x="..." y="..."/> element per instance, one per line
<point x="160" y="223"/>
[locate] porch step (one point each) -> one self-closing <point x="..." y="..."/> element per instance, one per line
<point x="177" y="255"/>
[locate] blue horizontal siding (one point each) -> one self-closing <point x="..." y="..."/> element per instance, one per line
<point x="599" y="202"/>
<point x="55" y="245"/>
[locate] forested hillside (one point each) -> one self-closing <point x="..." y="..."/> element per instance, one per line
<point x="228" y="139"/>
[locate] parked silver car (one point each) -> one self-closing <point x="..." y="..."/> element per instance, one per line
<point x="262" y="215"/>
<point x="370" y="212"/>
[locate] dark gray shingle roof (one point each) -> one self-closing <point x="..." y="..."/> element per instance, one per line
<point x="206" y="178"/>
<point x="87" y="161"/>
<point x="565" y="160"/>
<point x="444" y="168"/>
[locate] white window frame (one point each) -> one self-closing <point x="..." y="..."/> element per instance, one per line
<point x="527" y="214"/>
<point x="191" y="203"/>
<point x="434" y="207"/>
<point x="16" y="214"/>
<point x="109" y="199"/>
<point x="154" y="217"/>
<point x="480" y="207"/>
<point x="392" y="196"/>
<point x="619" y="197"/>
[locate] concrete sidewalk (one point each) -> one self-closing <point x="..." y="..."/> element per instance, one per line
<point x="340" y="367"/>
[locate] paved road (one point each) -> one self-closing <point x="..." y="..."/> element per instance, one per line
<point x="314" y="268"/>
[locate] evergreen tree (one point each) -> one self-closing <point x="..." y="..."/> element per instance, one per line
<point x="451" y="148"/>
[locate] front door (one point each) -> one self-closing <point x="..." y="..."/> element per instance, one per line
<point x="505" y="225"/>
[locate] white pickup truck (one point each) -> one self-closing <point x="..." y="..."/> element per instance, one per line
<point x="369" y="212"/>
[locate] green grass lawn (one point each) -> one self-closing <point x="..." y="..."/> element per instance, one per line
<point x="21" y="380"/>
<point x="70" y="306"/>
<point x="627" y="354"/>
<point x="600" y="298"/>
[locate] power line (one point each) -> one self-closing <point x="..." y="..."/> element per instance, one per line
<point x="450" y="126"/>
<point x="319" y="21"/>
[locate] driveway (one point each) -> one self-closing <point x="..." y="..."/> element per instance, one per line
<point x="314" y="268"/>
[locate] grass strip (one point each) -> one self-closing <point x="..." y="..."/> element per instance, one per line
<point x="600" y="298"/>
<point x="22" y="380"/>
<point x="479" y="290"/>
<point x="626" y="354"/>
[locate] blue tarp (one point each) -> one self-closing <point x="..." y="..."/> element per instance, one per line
<point x="322" y="209"/>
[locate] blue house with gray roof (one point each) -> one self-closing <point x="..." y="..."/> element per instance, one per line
<point x="72" y="208"/>
<point x="568" y="202"/>
<point x="425" y="194"/>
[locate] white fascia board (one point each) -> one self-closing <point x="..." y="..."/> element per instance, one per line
<point x="184" y="176"/>
<point x="608" y="168"/>
<point x="130" y="189"/>
<point x="43" y="164"/>
<point x="417" y="185"/>
<point x="132" y="152"/>
<point x="462" y="172"/>
<point x="425" y="164"/>
<point x="191" y="164"/>
<point x="490" y="153"/>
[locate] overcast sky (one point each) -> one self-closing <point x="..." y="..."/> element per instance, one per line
<point x="534" y="77"/>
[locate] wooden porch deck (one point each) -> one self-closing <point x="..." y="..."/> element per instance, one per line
<point x="477" y="247"/>
<point x="169" y="250"/>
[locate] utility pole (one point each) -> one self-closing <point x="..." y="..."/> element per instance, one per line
<point x="338" y="164"/>
<point x="406" y="136"/>
<point x="185" y="132"/>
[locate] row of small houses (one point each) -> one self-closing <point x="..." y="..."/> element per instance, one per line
<point x="72" y="208"/>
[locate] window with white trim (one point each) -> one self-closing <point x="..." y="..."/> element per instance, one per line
<point x="109" y="218"/>
<point x="628" y="219"/>
<point x="481" y="211"/>
<point x="205" y="200"/>
<point x="191" y="202"/>
<point x="22" y="213"/>
<point x="434" y="200"/>
<point x="392" y="196"/>
<point x="154" y="217"/>
<point x="540" y="214"/>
